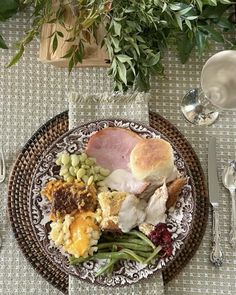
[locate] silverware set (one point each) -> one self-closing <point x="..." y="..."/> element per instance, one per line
<point x="229" y="182"/>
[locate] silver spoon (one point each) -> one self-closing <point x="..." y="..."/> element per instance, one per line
<point x="229" y="181"/>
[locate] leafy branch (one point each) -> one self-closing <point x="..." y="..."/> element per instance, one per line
<point x="138" y="32"/>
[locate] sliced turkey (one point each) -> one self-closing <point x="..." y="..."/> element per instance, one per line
<point x="132" y="213"/>
<point x="156" y="208"/>
<point x="111" y="147"/>
<point x="123" y="180"/>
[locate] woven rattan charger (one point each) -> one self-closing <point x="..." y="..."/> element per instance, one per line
<point x="19" y="188"/>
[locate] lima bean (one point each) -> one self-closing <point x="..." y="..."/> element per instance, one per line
<point x="58" y="161"/>
<point x="89" y="162"/>
<point x="104" y="172"/>
<point x="80" y="173"/>
<point x="63" y="171"/>
<point x="101" y="183"/>
<point x="65" y="158"/>
<point x="66" y="176"/>
<point x="96" y="169"/>
<point x="85" y="166"/>
<point x="83" y="157"/>
<point x="72" y="171"/>
<point x="70" y="179"/>
<point x="100" y="177"/>
<point x="75" y="159"/>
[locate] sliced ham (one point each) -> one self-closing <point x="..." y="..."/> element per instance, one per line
<point x="124" y="181"/>
<point x="111" y="147"/>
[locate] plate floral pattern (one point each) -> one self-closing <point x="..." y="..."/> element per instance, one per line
<point x="179" y="220"/>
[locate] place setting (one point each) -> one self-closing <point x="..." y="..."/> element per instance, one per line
<point x="128" y="185"/>
<point x="56" y="159"/>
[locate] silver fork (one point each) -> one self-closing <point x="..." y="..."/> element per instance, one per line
<point x="2" y="166"/>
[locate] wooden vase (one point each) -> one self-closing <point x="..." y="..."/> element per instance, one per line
<point x="95" y="56"/>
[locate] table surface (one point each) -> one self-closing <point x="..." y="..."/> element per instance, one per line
<point x="32" y="92"/>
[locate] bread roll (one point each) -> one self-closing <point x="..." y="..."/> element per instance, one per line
<point x="152" y="160"/>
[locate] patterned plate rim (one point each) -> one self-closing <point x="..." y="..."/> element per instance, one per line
<point x="149" y="128"/>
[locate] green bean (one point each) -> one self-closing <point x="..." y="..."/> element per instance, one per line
<point x="127" y="239"/>
<point x="143" y="254"/>
<point x="111" y="255"/>
<point x="141" y="236"/>
<point x="73" y="260"/>
<point x="125" y="245"/>
<point x="133" y="255"/>
<point x="103" y="255"/>
<point x="153" y="255"/>
<point x="110" y="270"/>
<point x="106" y="267"/>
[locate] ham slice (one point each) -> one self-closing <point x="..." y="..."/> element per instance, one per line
<point x="111" y="147"/>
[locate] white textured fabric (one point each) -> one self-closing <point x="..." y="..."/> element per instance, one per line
<point x="88" y="107"/>
<point x="32" y="92"/>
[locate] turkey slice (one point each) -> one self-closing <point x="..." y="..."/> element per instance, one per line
<point x="156" y="208"/>
<point x="132" y="213"/>
<point x="124" y="181"/>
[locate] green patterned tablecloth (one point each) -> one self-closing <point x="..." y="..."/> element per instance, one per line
<point x="32" y="92"/>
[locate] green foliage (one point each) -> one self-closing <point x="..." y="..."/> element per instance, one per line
<point x="143" y="30"/>
<point x="7" y="9"/>
<point x="138" y="32"/>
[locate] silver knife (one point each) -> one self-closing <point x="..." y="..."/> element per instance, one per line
<point x="216" y="255"/>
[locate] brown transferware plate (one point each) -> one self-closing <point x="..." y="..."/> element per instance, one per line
<point x="29" y="212"/>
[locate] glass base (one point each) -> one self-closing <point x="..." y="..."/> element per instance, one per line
<point x="197" y="109"/>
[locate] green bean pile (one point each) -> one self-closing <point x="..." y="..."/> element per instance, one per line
<point x="81" y="167"/>
<point x="130" y="246"/>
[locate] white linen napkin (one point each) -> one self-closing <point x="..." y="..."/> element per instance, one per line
<point x="84" y="108"/>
